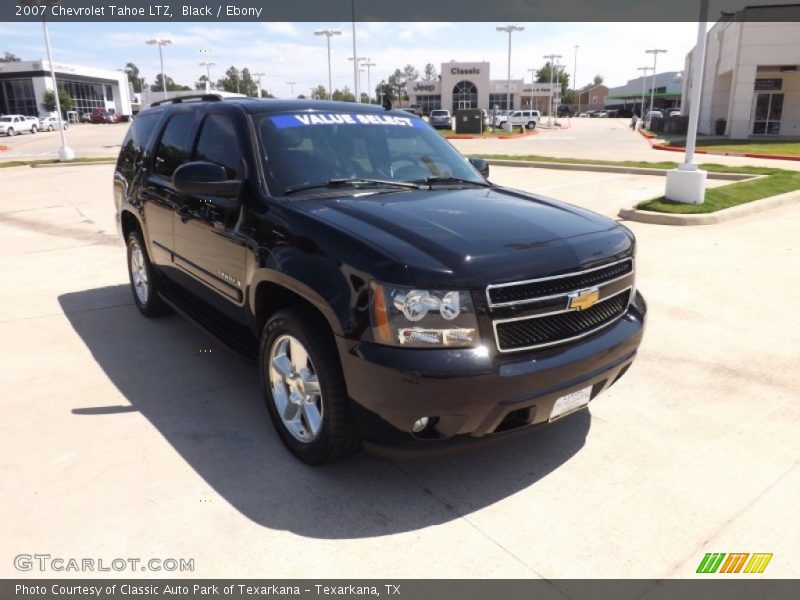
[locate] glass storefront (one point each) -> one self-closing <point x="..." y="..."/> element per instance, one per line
<point x="86" y="97"/>
<point x="17" y="98"/>
<point x="465" y="95"/>
<point x="768" y="113"/>
<point x="500" y="100"/>
<point x="429" y="102"/>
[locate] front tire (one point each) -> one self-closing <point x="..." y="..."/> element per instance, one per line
<point x="532" y="125"/>
<point x="34" y="129"/>
<point x="143" y="278"/>
<point x="304" y="387"/>
<point x="10" y="132"/>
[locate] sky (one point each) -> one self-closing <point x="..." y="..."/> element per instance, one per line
<point x="290" y="51"/>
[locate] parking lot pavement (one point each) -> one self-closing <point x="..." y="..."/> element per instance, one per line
<point x="605" y="193"/>
<point x="128" y="437"/>
<point x="86" y="139"/>
<point x="599" y="139"/>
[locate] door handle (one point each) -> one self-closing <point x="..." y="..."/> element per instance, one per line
<point x="185" y="214"/>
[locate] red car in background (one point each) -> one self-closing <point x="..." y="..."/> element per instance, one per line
<point x="101" y="115"/>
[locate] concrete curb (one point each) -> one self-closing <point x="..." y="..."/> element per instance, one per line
<point x="606" y="169"/>
<point x="756" y="206"/>
<point x="651" y="139"/>
<point x="73" y="163"/>
<point x="512" y="136"/>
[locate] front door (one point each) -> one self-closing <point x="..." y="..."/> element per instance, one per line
<point x="208" y="246"/>
<point x="767" y="113"/>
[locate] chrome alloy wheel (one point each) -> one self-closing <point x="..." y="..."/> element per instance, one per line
<point x="139" y="273"/>
<point x="295" y="388"/>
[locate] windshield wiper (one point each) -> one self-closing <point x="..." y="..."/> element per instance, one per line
<point x="448" y="179"/>
<point x="355" y="182"/>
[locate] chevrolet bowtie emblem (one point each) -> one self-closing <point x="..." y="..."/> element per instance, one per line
<point x="583" y="299"/>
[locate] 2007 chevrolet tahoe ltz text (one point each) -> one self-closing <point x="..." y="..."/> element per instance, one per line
<point x="390" y="294"/>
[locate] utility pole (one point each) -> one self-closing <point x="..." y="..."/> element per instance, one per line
<point x="369" y="64"/>
<point x="509" y="29"/>
<point x="533" y="73"/>
<point x="291" y="85"/>
<point x="355" y="54"/>
<point x="575" y="77"/>
<point x="644" y="71"/>
<point x="258" y="77"/>
<point x="161" y="42"/>
<point x="208" y="66"/>
<point x="551" y="58"/>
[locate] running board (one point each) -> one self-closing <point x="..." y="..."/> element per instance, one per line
<point x="234" y="336"/>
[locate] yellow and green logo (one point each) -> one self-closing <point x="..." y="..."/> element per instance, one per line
<point x="735" y="562"/>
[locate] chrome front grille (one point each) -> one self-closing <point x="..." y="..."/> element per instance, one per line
<point x="538" y="313"/>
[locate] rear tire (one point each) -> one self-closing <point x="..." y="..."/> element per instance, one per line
<point x="34" y="129"/>
<point x="304" y="387"/>
<point x="144" y="280"/>
<point x="10" y="132"/>
<point x="532" y="125"/>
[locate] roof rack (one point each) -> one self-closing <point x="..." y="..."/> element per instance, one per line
<point x="192" y="97"/>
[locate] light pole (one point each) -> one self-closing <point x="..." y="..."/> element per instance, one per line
<point x="356" y="61"/>
<point x="369" y="64"/>
<point x="355" y="54"/>
<point x="161" y="43"/>
<point x="655" y="52"/>
<point x="329" y="33"/>
<point x="687" y="183"/>
<point x="533" y="73"/>
<point x="644" y="71"/>
<point x="258" y="77"/>
<point x="509" y="29"/>
<point x="65" y="153"/>
<point x="551" y="58"/>
<point x="291" y="85"/>
<point x="575" y="76"/>
<point x="208" y="66"/>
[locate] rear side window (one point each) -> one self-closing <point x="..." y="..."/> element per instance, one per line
<point x="175" y="145"/>
<point x="219" y="144"/>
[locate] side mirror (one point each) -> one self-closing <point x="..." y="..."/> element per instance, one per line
<point x="205" y="179"/>
<point x="481" y="165"/>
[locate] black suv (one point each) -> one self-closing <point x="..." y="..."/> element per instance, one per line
<point x="390" y="294"/>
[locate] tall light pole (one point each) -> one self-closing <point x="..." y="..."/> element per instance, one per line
<point x="161" y="42"/>
<point x="687" y="183"/>
<point x="369" y="64"/>
<point x="575" y="76"/>
<point x="357" y="60"/>
<point x="551" y="59"/>
<point x="291" y="85"/>
<point x="644" y="71"/>
<point x="258" y="77"/>
<point x="533" y="73"/>
<point x="65" y="153"/>
<point x="509" y="29"/>
<point x="329" y="33"/>
<point x="355" y="54"/>
<point x="208" y="66"/>
<point x="655" y="52"/>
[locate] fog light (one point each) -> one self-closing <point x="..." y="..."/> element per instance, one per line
<point x="420" y="424"/>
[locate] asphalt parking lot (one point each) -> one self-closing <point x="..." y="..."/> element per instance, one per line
<point x="127" y="437"/>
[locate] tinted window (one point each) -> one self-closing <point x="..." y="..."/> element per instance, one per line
<point x="175" y="145"/>
<point x="219" y="144"/>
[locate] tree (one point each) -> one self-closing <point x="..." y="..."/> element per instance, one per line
<point x="232" y="82"/>
<point x="430" y="73"/>
<point x="9" y="57"/>
<point x="344" y="95"/>
<point x="133" y="77"/>
<point x="598" y="79"/>
<point x="320" y="92"/>
<point x="266" y="94"/>
<point x="410" y="73"/>
<point x="385" y="91"/>
<point x="200" y="85"/>
<point x="171" y="85"/>
<point x="49" y="101"/>
<point x="560" y="76"/>
<point x="249" y="87"/>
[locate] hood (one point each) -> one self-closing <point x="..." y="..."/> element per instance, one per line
<point x="475" y="236"/>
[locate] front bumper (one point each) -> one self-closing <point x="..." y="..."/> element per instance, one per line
<point x="477" y="392"/>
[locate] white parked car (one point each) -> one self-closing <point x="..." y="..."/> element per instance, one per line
<point x="674" y="113"/>
<point x="51" y="124"/>
<point x="654" y="114"/>
<point x="520" y="118"/>
<point x="14" y="124"/>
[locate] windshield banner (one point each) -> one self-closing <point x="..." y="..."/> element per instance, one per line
<point x="317" y="119"/>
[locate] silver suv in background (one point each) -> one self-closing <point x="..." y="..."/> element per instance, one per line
<point x="440" y="119"/>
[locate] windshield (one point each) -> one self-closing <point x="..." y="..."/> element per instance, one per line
<point x="309" y="147"/>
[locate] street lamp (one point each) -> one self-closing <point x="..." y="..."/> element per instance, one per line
<point x="369" y="64"/>
<point x="551" y="58"/>
<point x="533" y="73"/>
<point x="355" y="54"/>
<point x="509" y="29"/>
<point x="655" y="52"/>
<point x="161" y="42"/>
<point x="356" y="61"/>
<point x="644" y="71"/>
<point x="329" y="33"/>
<point x="291" y="85"/>
<point x="65" y="153"/>
<point x="575" y="76"/>
<point x="258" y="77"/>
<point x="208" y="66"/>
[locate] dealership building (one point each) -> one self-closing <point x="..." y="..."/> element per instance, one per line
<point x="24" y="83"/>
<point x="465" y="85"/>
<point x="665" y="90"/>
<point x="751" y="78"/>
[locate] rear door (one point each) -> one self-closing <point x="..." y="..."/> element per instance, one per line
<point x="159" y="200"/>
<point x="208" y="246"/>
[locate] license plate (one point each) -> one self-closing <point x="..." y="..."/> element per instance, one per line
<point x="570" y="403"/>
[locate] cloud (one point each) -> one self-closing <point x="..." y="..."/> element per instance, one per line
<point x="282" y="28"/>
<point x="427" y="31"/>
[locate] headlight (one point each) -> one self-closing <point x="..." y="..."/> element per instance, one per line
<point x="422" y="318"/>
